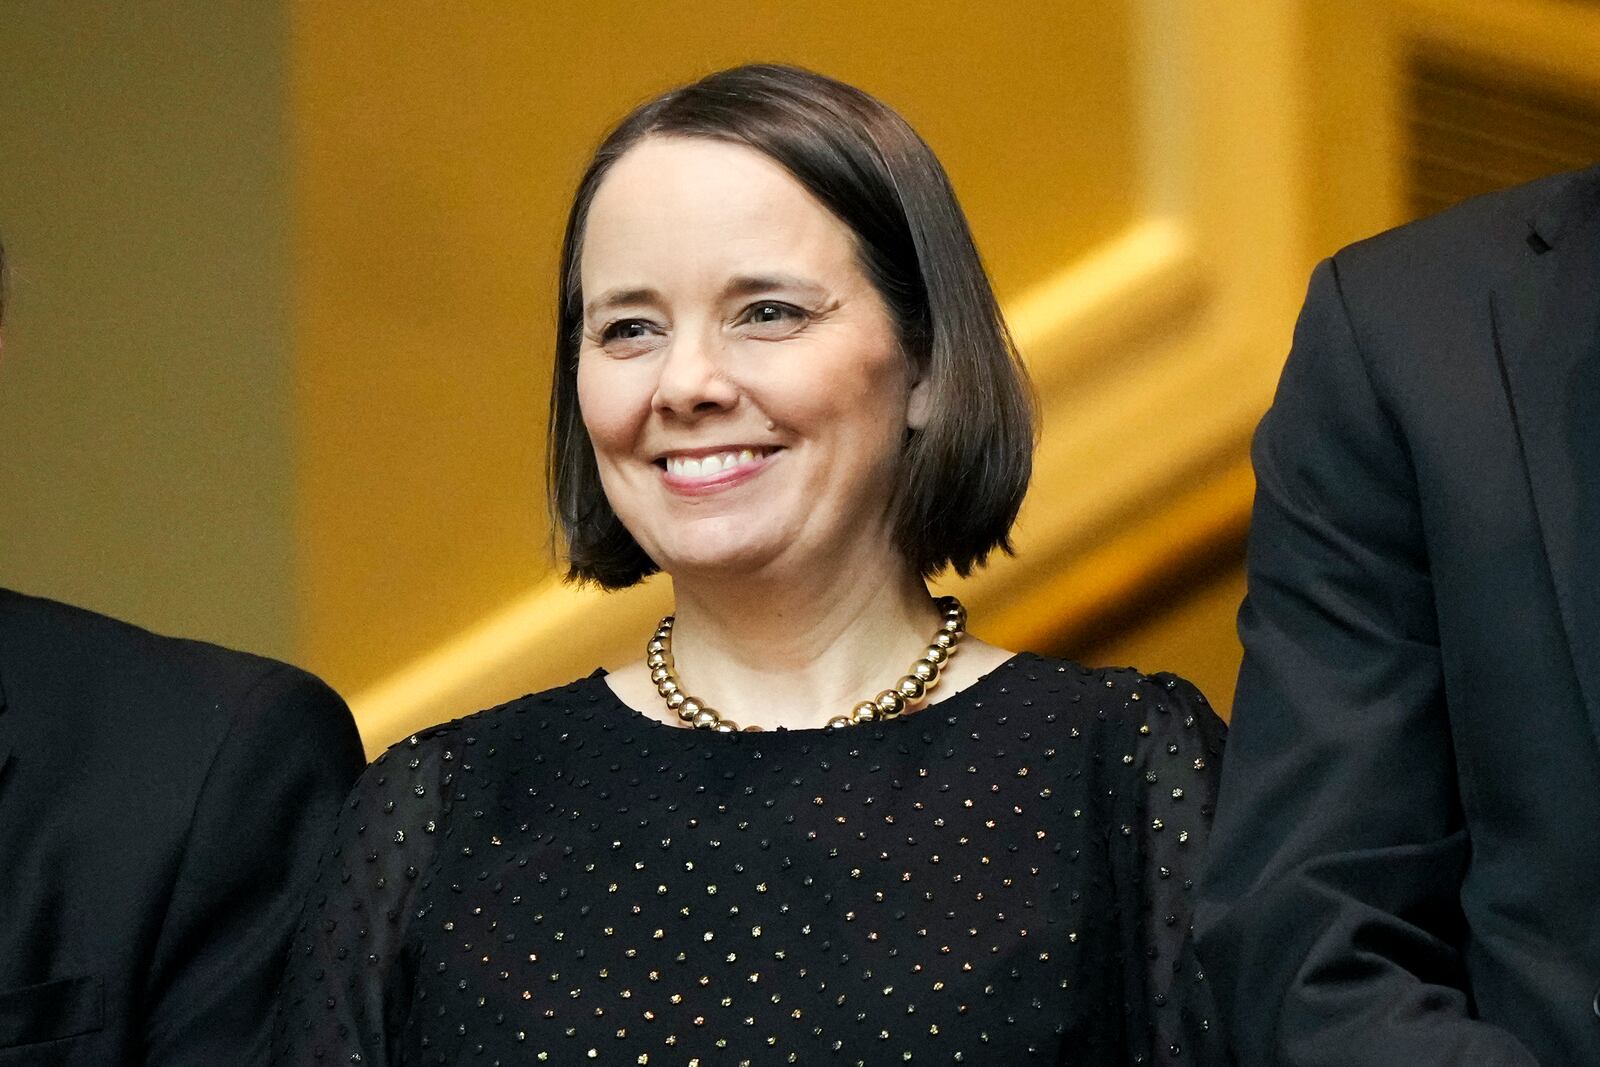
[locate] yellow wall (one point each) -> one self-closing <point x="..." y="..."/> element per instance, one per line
<point x="146" y="414"/>
<point x="436" y="147"/>
<point x="1190" y="631"/>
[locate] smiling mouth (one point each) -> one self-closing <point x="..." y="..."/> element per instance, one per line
<point x="711" y="464"/>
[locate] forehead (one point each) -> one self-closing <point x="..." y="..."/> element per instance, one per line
<point x="689" y="206"/>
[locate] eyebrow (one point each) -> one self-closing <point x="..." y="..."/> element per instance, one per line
<point x="620" y="297"/>
<point x="751" y="284"/>
<point x="744" y="285"/>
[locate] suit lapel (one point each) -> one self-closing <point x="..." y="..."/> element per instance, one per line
<point x="1547" y="322"/>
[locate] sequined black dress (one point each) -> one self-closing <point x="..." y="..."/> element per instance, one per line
<point x="1004" y="877"/>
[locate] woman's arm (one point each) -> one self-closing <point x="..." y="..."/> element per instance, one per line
<point x="346" y="993"/>
<point x="1165" y="753"/>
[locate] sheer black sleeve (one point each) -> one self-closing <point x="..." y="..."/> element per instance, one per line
<point x="346" y="992"/>
<point x="1166" y="754"/>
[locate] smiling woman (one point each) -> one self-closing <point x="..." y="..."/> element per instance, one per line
<point x="755" y="332"/>
<point x="802" y="202"/>
<point x="783" y="380"/>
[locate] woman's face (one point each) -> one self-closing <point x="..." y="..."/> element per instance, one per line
<point x="739" y="375"/>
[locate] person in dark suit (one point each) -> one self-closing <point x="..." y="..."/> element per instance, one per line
<point x="163" y="804"/>
<point x="1406" y="860"/>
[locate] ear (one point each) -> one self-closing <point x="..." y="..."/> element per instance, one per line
<point x="919" y="403"/>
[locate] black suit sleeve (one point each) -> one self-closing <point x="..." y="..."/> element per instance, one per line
<point x="1329" y="917"/>
<point x="259" y="824"/>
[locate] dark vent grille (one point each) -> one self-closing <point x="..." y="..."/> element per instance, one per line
<point x="1473" y="128"/>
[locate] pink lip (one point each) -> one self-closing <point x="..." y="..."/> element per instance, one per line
<point x="715" y="483"/>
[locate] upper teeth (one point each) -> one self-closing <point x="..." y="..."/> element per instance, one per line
<point x="704" y="466"/>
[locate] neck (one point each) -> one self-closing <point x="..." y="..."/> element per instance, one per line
<point x="795" y="652"/>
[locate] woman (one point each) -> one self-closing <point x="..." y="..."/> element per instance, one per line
<point x="782" y="378"/>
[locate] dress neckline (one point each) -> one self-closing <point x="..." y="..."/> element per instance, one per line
<point x="949" y="710"/>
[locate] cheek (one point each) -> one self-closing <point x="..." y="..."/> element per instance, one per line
<point x="611" y="412"/>
<point x="878" y="410"/>
<point x="863" y="395"/>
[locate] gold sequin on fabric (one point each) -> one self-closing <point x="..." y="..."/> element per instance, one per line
<point x="1007" y="875"/>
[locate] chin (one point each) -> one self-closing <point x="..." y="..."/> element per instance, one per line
<point x="732" y="558"/>
<point x="720" y="561"/>
<point x="720" y="545"/>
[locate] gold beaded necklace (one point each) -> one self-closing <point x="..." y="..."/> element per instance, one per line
<point x="889" y="704"/>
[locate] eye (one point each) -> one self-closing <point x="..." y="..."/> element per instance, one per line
<point x="772" y="313"/>
<point x="625" y="330"/>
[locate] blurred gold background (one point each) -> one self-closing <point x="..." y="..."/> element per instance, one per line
<point x="278" y="335"/>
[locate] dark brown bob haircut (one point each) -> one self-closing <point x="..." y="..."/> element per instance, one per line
<point x="963" y="475"/>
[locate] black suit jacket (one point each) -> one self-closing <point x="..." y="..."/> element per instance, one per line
<point x="162" y="807"/>
<point x="1405" y="867"/>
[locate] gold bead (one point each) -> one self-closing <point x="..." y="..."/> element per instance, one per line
<point x="923" y="676"/>
<point x="752" y="729"/>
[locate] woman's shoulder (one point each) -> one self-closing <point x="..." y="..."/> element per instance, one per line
<point x="539" y="711"/>
<point x="1128" y="712"/>
<point x="421" y="774"/>
<point x="1108" y="689"/>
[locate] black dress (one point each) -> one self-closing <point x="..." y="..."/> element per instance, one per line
<point x="1004" y="876"/>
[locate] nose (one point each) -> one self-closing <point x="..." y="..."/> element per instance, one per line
<point x="693" y="378"/>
